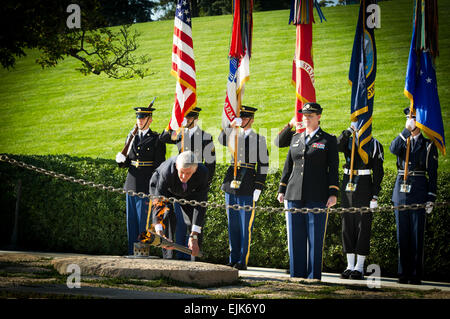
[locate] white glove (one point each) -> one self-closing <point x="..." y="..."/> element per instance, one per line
<point x="373" y="204"/>
<point x="293" y="122"/>
<point x="256" y="194"/>
<point x="237" y="122"/>
<point x="429" y="207"/>
<point x="354" y="126"/>
<point x="410" y="124"/>
<point x="120" y="158"/>
<point x="280" y="197"/>
<point x="183" y="124"/>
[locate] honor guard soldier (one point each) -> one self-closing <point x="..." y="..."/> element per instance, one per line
<point x="144" y="154"/>
<point x="201" y="143"/>
<point x="251" y="171"/>
<point x="416" y="189"/>
<point x="310" y="179"/>
<point x="361" y="191"/>
<point x="181" y="177"/>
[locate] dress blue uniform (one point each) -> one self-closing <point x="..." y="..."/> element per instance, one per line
<point x="423" y="161"/>
<point x="310" y="177"/>
<point x="252" y="167"/>
<point x="201" y="143"/>
<point x="146" y="153"/>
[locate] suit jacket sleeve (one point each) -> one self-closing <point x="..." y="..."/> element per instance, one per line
<point x="160" y="155"/>
<point x="432" y="166"/>
<point x="166" y="137"/>
<point x="209" y="154"/>
<point x="333" y="167"/>
<point x="223" y="136"/>
<point x="377" y="168"/>
<point x="342" y="141"/>
<point x="127" y="162"/>
<point x="263" y="163"/>
<point x="198" y="217"/>
<point x="284" y="138"/>
<point x="287" y="170"/>
<point x="398" y="145"/>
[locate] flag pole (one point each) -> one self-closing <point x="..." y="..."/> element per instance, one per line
<point x="182" y="139"/>
<point x="236" y="137"/>
<point x="353" y="155"/>
<point x="408" y="149"/>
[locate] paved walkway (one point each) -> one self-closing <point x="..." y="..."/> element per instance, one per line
<point x="280" y="274"/>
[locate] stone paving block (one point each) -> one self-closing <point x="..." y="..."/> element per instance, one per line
<point x="198" y="273"/>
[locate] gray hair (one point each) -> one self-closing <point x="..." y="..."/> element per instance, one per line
<point x="186" y="159"/>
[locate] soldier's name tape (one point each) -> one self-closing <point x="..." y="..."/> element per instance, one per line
<point x="339" y="210"/>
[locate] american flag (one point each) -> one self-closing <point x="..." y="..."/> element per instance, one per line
<point x="183" y="65"/>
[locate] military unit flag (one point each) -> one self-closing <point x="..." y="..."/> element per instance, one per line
<point x="301" y="15"/>
<point x="239" y="55"/>
<point x="363" y="67"/>
<point x="421" y="84"/>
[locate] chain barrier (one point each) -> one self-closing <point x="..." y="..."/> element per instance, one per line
<point x="206" y="204"/>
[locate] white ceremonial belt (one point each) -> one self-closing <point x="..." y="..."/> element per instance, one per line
<point x="357" y="171"/>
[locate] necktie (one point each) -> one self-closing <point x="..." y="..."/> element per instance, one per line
<point x="184" y="186"/>
<point x="413" y="143"/>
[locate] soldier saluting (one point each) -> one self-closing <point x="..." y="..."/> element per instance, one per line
<point x="252" y="163"/>
<point x="143" y="153"/>
<point x="310" y="179"/>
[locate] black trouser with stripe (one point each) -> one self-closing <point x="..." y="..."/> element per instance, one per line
<point x="357" y="227"/>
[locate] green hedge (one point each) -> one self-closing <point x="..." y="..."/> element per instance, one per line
<point x="56" y="215"/>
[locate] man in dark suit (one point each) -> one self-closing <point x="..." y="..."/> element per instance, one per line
<point x="367" y="177"/>
<point x="252" y="166"/>
<point x="310" y="179"/>
<point x="145" y="154"/>
<point x="201" y="143"/>
<point x="182" y="177"/>
<point x="418" y="189"/>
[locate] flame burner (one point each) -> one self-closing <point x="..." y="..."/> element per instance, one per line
<point x="141" y="250"/>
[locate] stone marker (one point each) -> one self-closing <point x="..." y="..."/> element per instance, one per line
<point x="199" y="273"/>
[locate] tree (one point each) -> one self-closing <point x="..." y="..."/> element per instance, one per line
<point x="43" y="25"/>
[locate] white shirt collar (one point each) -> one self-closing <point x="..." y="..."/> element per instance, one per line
<point x="247" y="132"/>
<point x="143" y="132"/>
<point x="192" y="130"/>
<point x="313" y="132"/>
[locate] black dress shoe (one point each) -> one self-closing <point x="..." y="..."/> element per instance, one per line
<point x="355" y="274"/>
<point x="239" y="266"/>
<point x="402" y="280"/>
<point x="346" y="274"/>
<point x="230" y="264"/>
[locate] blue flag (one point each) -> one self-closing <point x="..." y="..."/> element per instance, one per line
<point x="421" y="90"/>
<point x="363" y="68"/>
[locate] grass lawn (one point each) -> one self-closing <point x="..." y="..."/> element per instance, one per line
<point x="60" y="111"/>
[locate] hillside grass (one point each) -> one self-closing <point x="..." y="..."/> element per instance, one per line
<point x="60" y="111"/>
